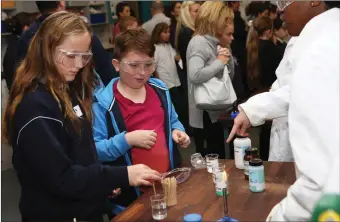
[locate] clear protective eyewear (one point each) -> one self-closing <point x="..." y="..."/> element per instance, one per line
<point x="138" y="67"/>
<point x="282" y="5"/>
<point x="74" y="59"/>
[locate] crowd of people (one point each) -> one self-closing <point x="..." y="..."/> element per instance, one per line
<point x="89" y="132"/>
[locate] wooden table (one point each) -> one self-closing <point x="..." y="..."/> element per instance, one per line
<point x="197" y="195"/>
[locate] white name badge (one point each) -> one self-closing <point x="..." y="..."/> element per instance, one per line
<point x="78" y="111"/>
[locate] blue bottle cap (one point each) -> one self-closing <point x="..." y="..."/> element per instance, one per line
<point x="227" y="219"/>
<point x="192" y="218"/>
<point x="234" y="114"/>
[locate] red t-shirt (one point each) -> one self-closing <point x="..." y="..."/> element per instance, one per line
<point x="146" y="116"/>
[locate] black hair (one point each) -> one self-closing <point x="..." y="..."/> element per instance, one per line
<point x="132" y="12"/>
<point x="332" y="4"/>
<point x="173" y="5"/>
<point x="272" y="8"/>
<point x="277" y="23"/>
<point x="254" y="8"/>
<point x="169" y="9"/>
<point x="46" y="7"/>
<point x="17" y="23"/>
<point x="120" y="7"/>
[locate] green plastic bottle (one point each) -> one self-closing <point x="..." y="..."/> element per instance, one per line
<point x="327" y="208"/>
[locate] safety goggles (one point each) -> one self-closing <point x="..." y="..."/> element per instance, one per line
<point x="73" y="59"/>
<point x="137" y="67"/>
<point x="281" y="5"/>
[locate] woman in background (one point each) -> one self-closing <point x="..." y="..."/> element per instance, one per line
<point x="122" y="10"/>
<point x="184" y="31"/>
<point x="205" y="61"/>
<point x="185" y="28"/>
<point x="263" y="56"/>
<point x="174" y="15"/>
<point x="238" y="47"/>
<point x="253" y="11"/>
<point x="226" y="39"/>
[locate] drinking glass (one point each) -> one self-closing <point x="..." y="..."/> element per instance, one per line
<point x="158" y="205"/>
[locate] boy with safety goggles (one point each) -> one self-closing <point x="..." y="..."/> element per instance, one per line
<point x="134" y="119"/>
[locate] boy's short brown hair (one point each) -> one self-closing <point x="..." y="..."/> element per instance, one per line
<point x="133" y="40"/>
<point x="125" y="22"/>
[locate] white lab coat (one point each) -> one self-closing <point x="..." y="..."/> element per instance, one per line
<point x="274" y="105"/>
<point x="314" y="117"/>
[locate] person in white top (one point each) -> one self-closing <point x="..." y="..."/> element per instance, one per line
<point x="271" y="105"/>
<point x="166" y="58"/>
<point x="157" y="11"/>
<point x="313" y="115"/>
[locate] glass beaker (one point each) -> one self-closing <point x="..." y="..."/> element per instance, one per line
<point x="158" y="205"/>
<point x="211" y="159"/>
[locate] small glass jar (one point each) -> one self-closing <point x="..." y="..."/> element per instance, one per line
<point x="251" y="153"/>
<point x="256" y="176"/>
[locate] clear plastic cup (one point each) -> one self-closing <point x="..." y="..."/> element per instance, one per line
<point x="211" y="160"/>
<point x="158" y="205"/>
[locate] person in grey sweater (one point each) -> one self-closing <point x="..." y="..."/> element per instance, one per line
<point x="203" y="63"/>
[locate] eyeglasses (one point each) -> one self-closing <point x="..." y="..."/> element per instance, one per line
<point x="283" y="4"/>
<point x="138" y="67"/>
<point x="73" y="59"/>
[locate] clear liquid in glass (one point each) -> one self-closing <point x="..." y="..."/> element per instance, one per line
<point x="159" y="211"/>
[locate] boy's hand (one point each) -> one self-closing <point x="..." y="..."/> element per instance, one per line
<point x="141" y="138"/>
<point x="181" y="138"/>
